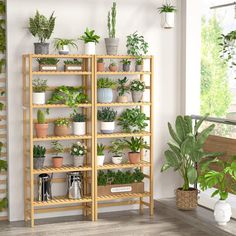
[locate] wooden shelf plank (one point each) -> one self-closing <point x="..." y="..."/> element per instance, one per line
<point x="61" y="73"/>
<point x="68" y="137"/>
<point x="119" y="104"/>
<point x="121" y="56"/>
<point x="125" y="165"/>
<point x="60" y="105"/>
<point x="122" y="196"/>
<point x="65" y="168"/>
<point x="124" y="73"/>
<point x="60" y="56"/>
<point x="123" y="135"/>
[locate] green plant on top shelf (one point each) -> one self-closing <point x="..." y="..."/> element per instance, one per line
<point x="62" y="122"/>
<point x="41" y="116"/>
<point x="59" y="43"/>
<point x="47" y="61"/>
<point x="121" y="88"/>
<point x="137" y="85"/>
<point x="39" y="85"/>
<point x="106" y="83"/>
<point x="133" y="120"/>
<point x="107" y="114"/>
<point x="117" y="147"/>
<point x="111" y="21"/>
<point x="90" y="36"/>
<point x="41" y="27"/>
<point x="73" y="62"/>
<point x="100" y="60"/>
<point x="68" y="95"/>
<point x="135" y="144"/>
<point x="165" y="8"/>
<point x="57" y="147"/>
<point x="100" y="149"/>
<point x="39" y="151"/>
<point x="126" y="62"/>
<point x="78" y="117"/>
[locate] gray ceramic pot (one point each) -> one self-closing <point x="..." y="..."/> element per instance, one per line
<point x="137" y="96"/>
<point x="126" y="67"/>
<point x="38" y="162"/>
<point x="138" y="68"/>
<point x="105" y="95"/>
<point x="111" y="45"/>
<point x="41" y="48"/>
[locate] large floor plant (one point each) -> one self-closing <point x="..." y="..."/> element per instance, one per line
<point x="185" y="150"/>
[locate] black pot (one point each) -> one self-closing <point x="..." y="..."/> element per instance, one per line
<point x="41" y="48"/>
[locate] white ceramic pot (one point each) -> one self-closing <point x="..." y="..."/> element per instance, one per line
<point x="222" y="212"/>
<point x="78" y="161"/>
<point x="65" y="50"/>
<point x="100" y="160"/>
<point x="79" y="128"/>
<point x="90" y="48"/>
<point x="168" y="20"/>
<point x="117" y="160"/>
<point x="39" y="98"/>
<point x="107" y="127"/>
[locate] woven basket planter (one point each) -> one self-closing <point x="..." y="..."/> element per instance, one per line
<point x="186" y="200"/>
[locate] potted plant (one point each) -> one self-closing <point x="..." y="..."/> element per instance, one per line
<point x="90" y="39"/>
<point x="112" y="183"/>
<point x="41" y="27"/>
<point x="133" y="120"/>
<point x="126" y="65"/>
<point x="73" y="65"/>
<point x="57" y="161"/>
<point x="63" y="45"/>
<point x="139" y="64"/>
<point x="122" y="90"/>
<point x="100" y="65"/>
<point x="168" y="13"/>
<point x="137" y="88"/>
<point x="117" y="148"/>
<point x="41" y="126"/>
<point x="79" y="123"/>
<point x="105" y="93"/>
<point x="61" y="127"/>
<point x="184" y="152"/>
<point x="100" y="154"/>
<point x="39" y="156"/>
<point x="47" y="64"/>
<point x="78" y="151"/>
<point x="107" y="117"/>
<point x="39" y="91"/>
<point x="112" y="42"/>
<point x="135" y="145"/>
<point x="223" y="175"/>
<point x="113" y="67"/>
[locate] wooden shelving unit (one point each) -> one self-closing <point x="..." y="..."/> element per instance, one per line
<point x="91" y="202"/>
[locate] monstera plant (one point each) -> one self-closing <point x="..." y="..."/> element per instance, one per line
<point x="185" y="150"/>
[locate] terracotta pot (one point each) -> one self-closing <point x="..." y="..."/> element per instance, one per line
<point x="186" y="200"/>
<point x="134" y="157"/>
<point x="41" y="130"/>
<point x="100" y="67"/>
<point x="61" y="130"/>
<point x="112" y="68"/>
<point x="122" y="99"/>
<point x="57" y="162"/>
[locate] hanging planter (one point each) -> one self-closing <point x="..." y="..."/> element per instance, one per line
<point x="167" y="12"/>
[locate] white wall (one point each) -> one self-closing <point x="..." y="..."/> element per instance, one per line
<point x="72" y="18"/>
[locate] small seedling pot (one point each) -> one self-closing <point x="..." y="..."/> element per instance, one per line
<point x="116" y="160"/>
<point x="78" y="161"/>
<point x="61" y="130"/>
<point x="137" y="96"/>
<point x="113" y="68"/>
<point x="134" y="157"/>
<point x="122" y="99"/>
<point x="57" y="162"/>
<point x="38" y="162"/>
<point x="138" y="68"/>
<point x="41" y="130"/>
<point x="90" y="48"/>
<point x="39" y="98"/>
<point x="126" y="67"/>
<point x="65" y="50"/>
<point x="100" y="160"/>
<point x="105" y="95"/>
<point x="41" y="48"/>
<point x="79" y="128"/>
<point x="100" y="66"/>
<point x="107" y="127"/>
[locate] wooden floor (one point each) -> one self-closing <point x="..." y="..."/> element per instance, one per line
<point x="128" y="223"/>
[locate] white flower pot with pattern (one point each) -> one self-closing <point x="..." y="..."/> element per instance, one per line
<point x="222" y="212"/>
<point x="78" y="161"/>
<point x="107" y="127"/>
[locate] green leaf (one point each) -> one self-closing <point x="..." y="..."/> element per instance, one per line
<point x="189" y="124"/>
<point x="215" y="193"/>
<point x="187" y="146"/>
<point x="199" y="123"/>
<point x="192" y="175"/>
<point x="202" y="137"/>
<point x="171" y="159"/>
<point x="180" y="127"/>
<point x="165" y="167"/>
<point x="174" y="135"/>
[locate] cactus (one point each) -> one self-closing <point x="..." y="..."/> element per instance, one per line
<point x="41" y="117"/>
<point x="111" y="21"/>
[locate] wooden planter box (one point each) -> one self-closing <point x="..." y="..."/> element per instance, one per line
<point x="47" y="67"/>
<point x="120" y="188"/>
<point x="73" y="67"/>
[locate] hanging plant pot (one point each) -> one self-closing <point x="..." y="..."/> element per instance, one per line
<point x="186" y="200"/>
<point x="168" y="20"/>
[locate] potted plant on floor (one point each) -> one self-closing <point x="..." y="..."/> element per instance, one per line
<point x="57" y="161"/>
<point x="122" y="90"/>
<point x="113" y="67"/>
<point x="112" y="42"/>
<point x="64" y="45"/>
<point x="41" y="27"/>
<point x="61" y="127"/>
<point x="39" y="91"/>
<point x="105" y="93"/>
<point x="117" y="148"/>
<point x="185" y="150"/>
<point x="47" y="64"/>
<point x="139" y="64"/>
<point x="168" y="13"/>
<point x="79" y="123"/>
<point x="41" y="126"/>
<point x="100" y="65"/>
<point x="73" y="65"/>
<point x="100" y="154"/>
<point x="126" y="65"/>
<point x="137" y="88"/>
<point x="223" y="177"/>
<point x="78" y="151"/>
<point x="39" y="156"/>
<point x="90" y="40"/>
<point x="135" y="145"/>
<point x="107" y="117"/>
<point x="132" y="120"/>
